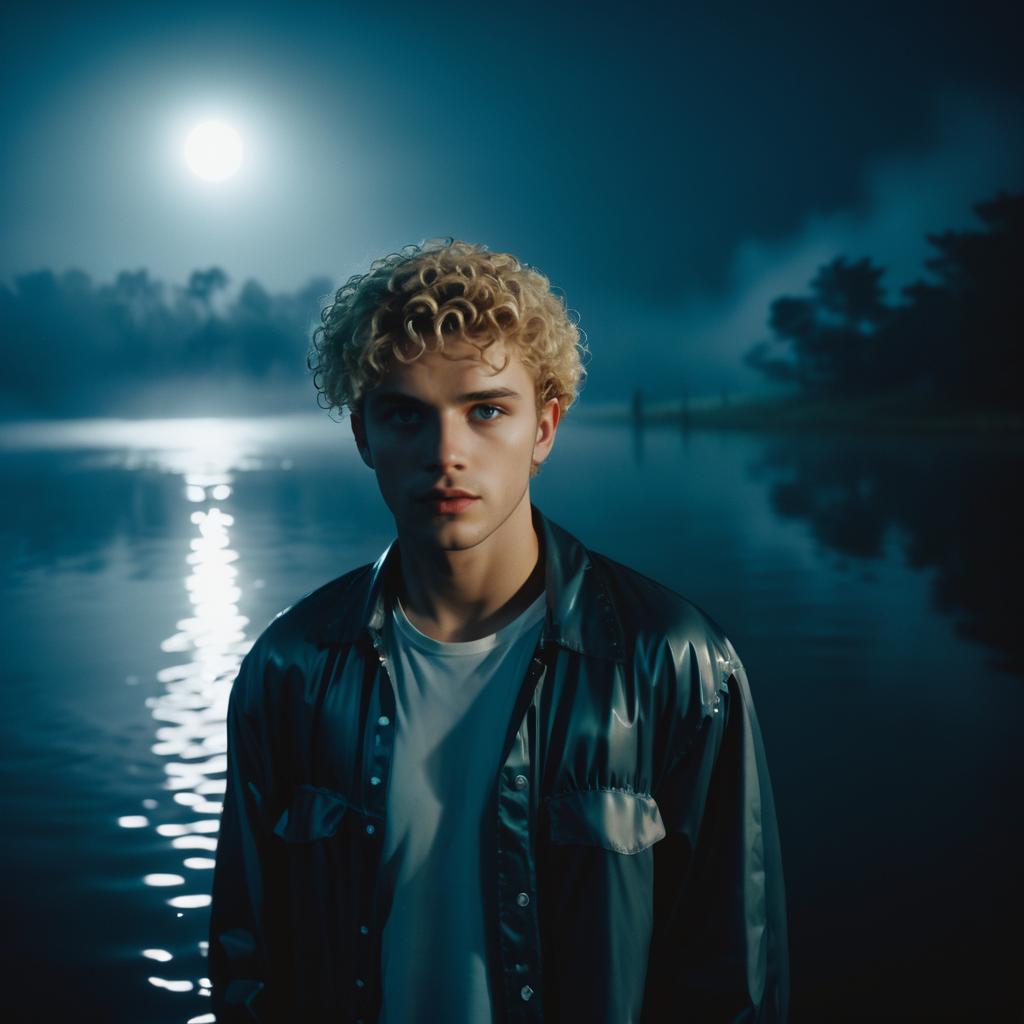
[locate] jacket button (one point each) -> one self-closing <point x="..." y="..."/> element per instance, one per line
<point x="359" y="983"/>
<point x="520" y="782"/>
<point x="364" y="929"/>
<point x="523" y="899"/>
<point x="526" y="992"/>
<point x="370" y="830"/>
<point x="374" y="781"/>
<point x="383" y="720"/>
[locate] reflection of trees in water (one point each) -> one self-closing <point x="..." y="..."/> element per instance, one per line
<point x="61" y="509"/>
<point x="953" y="501"/>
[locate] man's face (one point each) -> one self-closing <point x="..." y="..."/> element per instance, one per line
<point x="453" y="423"/>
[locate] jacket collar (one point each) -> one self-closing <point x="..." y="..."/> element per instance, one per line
<point x="579" y="613"/>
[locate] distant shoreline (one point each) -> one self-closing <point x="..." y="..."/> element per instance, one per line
<point x="879" y="415"/>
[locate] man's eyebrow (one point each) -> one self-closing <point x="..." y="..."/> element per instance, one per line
<point x="469" y="396"/>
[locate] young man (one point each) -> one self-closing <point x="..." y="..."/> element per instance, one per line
<point x="494" y="775"/>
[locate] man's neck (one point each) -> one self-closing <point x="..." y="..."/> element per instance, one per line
<point x="455" y="596"/>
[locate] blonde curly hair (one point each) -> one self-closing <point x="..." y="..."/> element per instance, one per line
<point x="444" y="289"/>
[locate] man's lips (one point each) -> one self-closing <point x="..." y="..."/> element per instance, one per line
<point x="437" y="493"/>
<point x="450" y="502"/>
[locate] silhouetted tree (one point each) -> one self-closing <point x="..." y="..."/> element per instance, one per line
<point x="203" y="284"/>
<point x="973" y="319"/>
<point x="956" y="340"/>
<point x="832" y="334"/>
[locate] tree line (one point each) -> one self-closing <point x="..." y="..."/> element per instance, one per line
<point x="69" y="345"/>
<point x="954" y="341"/>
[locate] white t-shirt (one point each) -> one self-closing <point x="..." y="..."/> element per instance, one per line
<point x="453" y="706"/>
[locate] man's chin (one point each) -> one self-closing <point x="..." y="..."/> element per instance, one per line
<point x="447" y="534"/>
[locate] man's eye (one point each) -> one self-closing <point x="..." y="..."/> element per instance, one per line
<point x="399" y="411"/>
<point x="494" y="408"/>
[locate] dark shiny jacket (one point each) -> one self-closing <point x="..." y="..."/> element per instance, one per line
<point x="637" y="875"/>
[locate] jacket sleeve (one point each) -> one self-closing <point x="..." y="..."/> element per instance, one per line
<point x="246" y="873"/>
<point x="719" y="948"/>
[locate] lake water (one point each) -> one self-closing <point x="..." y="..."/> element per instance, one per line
<point x="869" y="586"/>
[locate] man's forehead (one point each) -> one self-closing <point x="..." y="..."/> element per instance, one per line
<point x="462" y="379"/>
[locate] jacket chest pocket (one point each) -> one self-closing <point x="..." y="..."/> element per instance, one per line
<point x="313" y="844"/>
<point x="313" y="813"/>
<point x="618" y="820"/>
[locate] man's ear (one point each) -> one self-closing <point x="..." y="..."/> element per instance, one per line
<point x="547" y="426"/>
<point x="359" y="432"/>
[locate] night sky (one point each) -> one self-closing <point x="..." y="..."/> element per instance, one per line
<point x="671" y="169"/>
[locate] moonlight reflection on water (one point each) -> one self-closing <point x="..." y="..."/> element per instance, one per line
<point x="190" y="711"/>
<point x="190" y="706"/>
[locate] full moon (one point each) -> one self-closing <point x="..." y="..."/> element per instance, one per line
<point x="213" y="150"/>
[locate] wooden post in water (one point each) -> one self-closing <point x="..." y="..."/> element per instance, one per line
<point x="638" y="408"/>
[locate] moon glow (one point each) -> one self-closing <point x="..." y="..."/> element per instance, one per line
<point x="213" y="151"/>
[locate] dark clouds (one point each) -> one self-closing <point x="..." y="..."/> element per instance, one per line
<point x="903" y="197"/>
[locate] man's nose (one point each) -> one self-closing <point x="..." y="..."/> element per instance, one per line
<point x="447" y="441"/>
